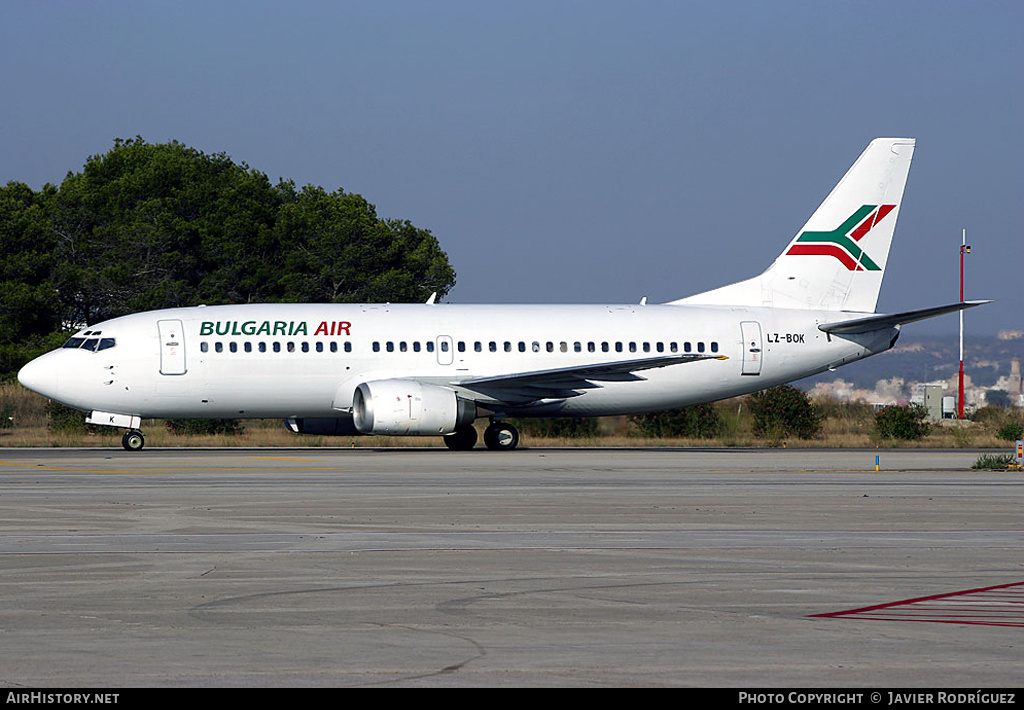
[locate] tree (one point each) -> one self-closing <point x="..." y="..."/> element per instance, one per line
<point x="29" y="309"/>
<point x="902" y="421"/>
<point x="146" y="226"/>
<point x="701" y="421"/>
<point x="784" y="411"/>
<point x="339" y="251"/>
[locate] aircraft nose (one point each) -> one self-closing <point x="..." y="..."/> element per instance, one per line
<point x="40" y="376"/>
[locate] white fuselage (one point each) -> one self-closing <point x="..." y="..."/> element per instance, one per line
<point x="281" y="360"/>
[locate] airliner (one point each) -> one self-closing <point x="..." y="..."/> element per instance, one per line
<point x="432" y="369"/>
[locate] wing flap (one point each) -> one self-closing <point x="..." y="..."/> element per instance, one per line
<point x="561" y="383"/>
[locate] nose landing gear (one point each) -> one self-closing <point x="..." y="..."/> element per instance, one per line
<point x="133" y="440"/>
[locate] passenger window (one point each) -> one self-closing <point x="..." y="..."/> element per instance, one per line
<point x="204" y="347"/>
<point x="700" y="347"/>
<point x="376" y="346"/>
<point x="403" y="347"/>
<point x="277" y="347"/>
<point x="430" y="346"/>
<point x="416" y="346"/>
<point x="233" y="346"/>
<point x="334" y="347"/>
<point x="714" y="346"/>
<point x="319" y="346"/>
<point x="262" y="347"/>
<point x="218" y="347"/>
<point x="247" y="346"/>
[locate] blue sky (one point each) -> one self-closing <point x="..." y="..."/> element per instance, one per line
<point x="564" y="151"/>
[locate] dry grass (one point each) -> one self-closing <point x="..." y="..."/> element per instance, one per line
<point x="845" y="426"/>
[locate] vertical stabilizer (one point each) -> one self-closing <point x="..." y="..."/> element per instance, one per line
<point x="836" y="262"/>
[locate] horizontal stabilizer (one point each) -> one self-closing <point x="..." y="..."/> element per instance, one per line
<point x="886" y="320"/>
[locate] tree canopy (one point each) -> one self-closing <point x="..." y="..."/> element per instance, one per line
<point x="148" y="226"/>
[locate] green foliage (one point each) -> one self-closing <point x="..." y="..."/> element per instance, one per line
<point x="63" y="418"/>
<point x="148" y="226"/>
<point x="558" y="428"/>
<point x="6" y="415"/>
<point x="1011" y="431"/>
<point x="697" y="422"/>
<point x="782" y="412"/>
<point x="993" y="462"/>
<point x="204" y="427"/>
<point x="903" y="421"/>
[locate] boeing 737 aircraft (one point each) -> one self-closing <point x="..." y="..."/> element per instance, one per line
<point x="432" y="369"/>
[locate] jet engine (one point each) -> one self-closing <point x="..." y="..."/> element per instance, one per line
<point x="409" y="408"/>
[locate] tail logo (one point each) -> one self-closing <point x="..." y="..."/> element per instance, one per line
<point x="842" y="241"/>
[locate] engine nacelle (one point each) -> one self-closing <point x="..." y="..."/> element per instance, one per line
<point x="409" y="408"/>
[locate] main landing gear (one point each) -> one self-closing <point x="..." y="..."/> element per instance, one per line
<point x="133" y="440"/>
<point x="498" y="436"/>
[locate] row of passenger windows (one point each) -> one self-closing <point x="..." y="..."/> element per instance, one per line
<point x="462" y="346"/>
<point x="262" y="347"/>
<point x="550" y="346"/>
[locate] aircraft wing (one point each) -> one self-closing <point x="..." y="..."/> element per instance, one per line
<point x="563" y="382"/>
<point x="886" y="320"/>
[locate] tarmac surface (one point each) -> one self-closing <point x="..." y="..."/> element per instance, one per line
<point x="538" y="567"/>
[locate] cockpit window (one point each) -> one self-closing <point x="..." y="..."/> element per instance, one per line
<point x="90" y="344"/>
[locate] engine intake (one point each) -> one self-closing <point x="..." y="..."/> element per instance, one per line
<point x="410" y="408"/>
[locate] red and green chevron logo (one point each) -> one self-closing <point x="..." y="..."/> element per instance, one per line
<point x="842" y="241"/>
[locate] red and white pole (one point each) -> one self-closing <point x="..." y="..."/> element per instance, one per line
<point x="964" y="249"/>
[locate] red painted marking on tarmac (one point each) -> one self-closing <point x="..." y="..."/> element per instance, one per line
<point x="1000" y="605"/>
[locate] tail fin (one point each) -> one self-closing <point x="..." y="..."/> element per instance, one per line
<point x="836" y="262"/>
